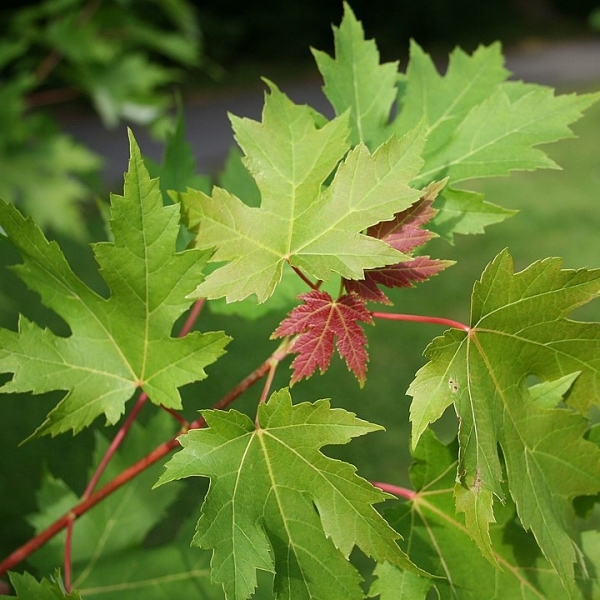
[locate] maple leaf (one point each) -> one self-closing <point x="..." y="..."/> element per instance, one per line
<point x="404" y="233"/>
<point x="445" y="100"/>
<point x="277" y="503"/>
<point x="178" y="169"/>
<point x="438" y="538"/>
<point x="301" y="221"/>
<point x="318" y="322"/>
<point x="478" y="125"/>
<point x="28" y="587"/>
<point x="119" y="344"/>
<point x="355" y="81"/>
<point x="518" y="328"/>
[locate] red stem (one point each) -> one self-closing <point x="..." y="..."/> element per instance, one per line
<point x="110" y="452"/>
<point x="114" y="445"/>
<point x="421" y="319"/>
<point x="268" y="382"/>
<point x="279" y="354"/>
<point x="184" y="424"/>
<point x="86" y="504"/>
<point x="395" y="490"/>
<point x="192" y="317"/>
<point x="116" y="442"/>
<point x="83" y="506"/>
<point x="314" y="286"/>
<point x="67" y="556"/>
<point x="187" y="327"/>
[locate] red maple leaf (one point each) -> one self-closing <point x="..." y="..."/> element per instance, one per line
<point x="404" y="233"/>
<point x="317" y="323"/>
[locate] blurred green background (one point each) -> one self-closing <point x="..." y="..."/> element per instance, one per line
<point x="559" y="216"/>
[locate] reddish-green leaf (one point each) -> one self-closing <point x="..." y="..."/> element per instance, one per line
<point x="318" y="322"/>
<point x="404" y="233"/>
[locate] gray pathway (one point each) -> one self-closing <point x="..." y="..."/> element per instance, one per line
<point x="208" y="129"/>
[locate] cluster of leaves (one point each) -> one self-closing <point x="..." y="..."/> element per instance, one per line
<point x="119" y="56"/>
<point x="344" y="207"/>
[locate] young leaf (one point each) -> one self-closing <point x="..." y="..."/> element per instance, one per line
<point x="119" y="344"/>
<point x="276" y="503"/>
<point x="519" y="328"/>
<point x="318" y="321"/>
<point x="29" y="588"/>
<point x="438" y="538"/>
<point x="299" y="222"/>
<point x="355" y="81"/>
<point x="404" y="233"/>
<point x="465" y="212"/>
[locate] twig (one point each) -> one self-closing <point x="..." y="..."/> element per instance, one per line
<point x="395" y="490"/>
<point x="116" y="442"/>
<point x="268" y="382"/>
<point x="110" y="452"/>
<point x="421" y="319"/>
<point x="192" y="317"/>
<point x="67" y="555"/>
<point x="314" y="286"/>
<point x="83" y="506"/>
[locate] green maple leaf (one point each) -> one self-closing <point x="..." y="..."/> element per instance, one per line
<point x="355" y="81"/>
<point x="518" y="329"/>
<point x="478" y="125"/>
<point x="439" y="539"/>
<point x="276" y="503"/>
<point x="500" y="134"/>
<point x="465" y="212"/>
<point x="119" y="344"/>
<point x="28" y="587"/>
<point x="178" y="169"/>
<point x="445" y="100"/>
<point x="173" y="570"/>
<point x="301" y="222"/>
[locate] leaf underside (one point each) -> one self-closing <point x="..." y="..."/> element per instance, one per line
<point x="276" y="503"/>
